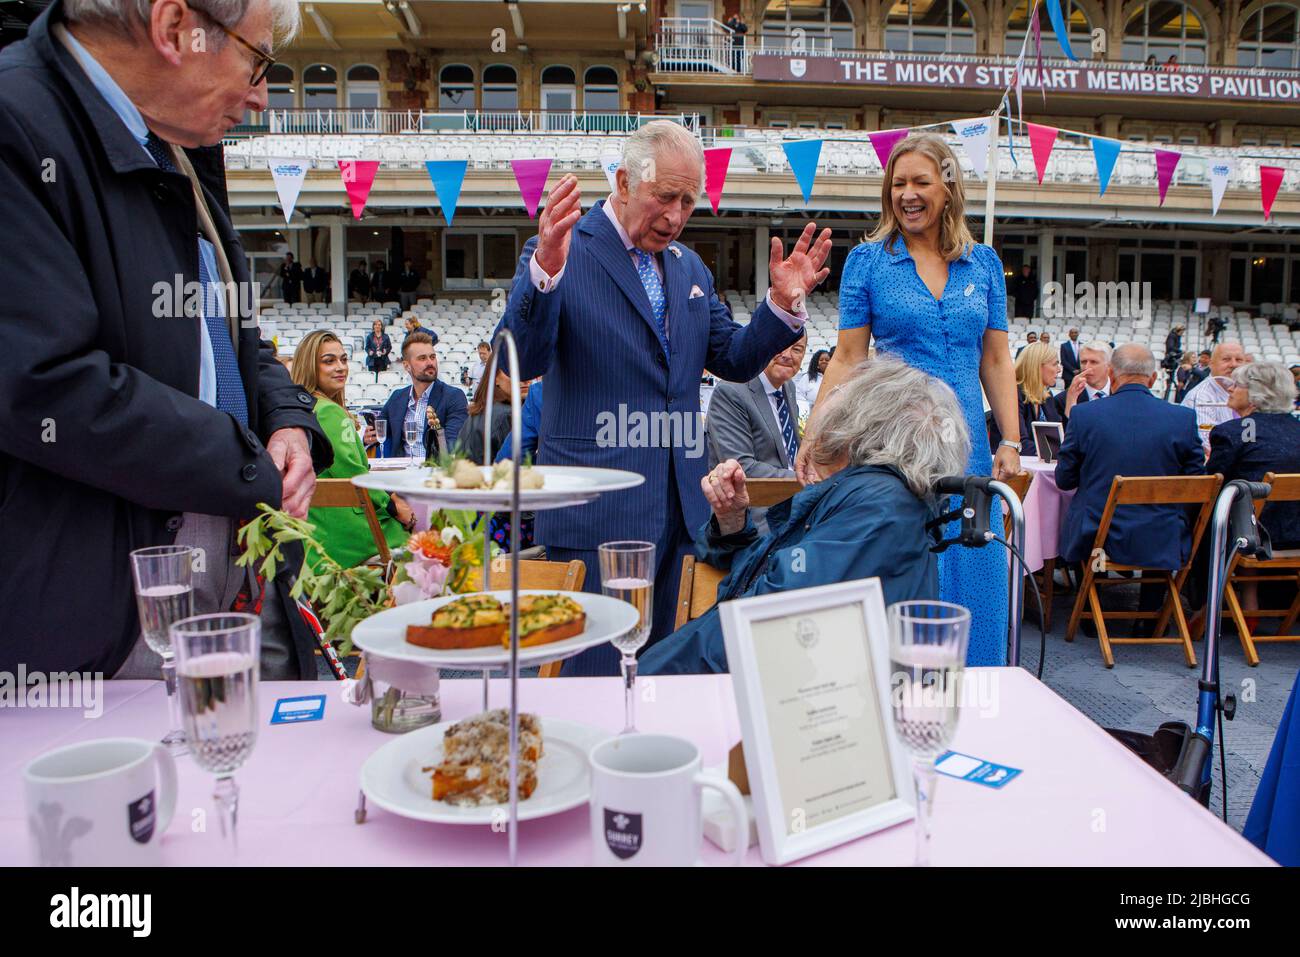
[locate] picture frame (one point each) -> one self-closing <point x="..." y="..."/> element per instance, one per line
<point x="823" y="768"/>
<point x="1048" y="437"/>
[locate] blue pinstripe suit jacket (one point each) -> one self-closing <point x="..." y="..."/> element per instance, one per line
<point x="594" y="338"/>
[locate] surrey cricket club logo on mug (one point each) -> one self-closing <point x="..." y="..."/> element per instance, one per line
<point x="622" y="833"/>
<point x="141" y="816"/>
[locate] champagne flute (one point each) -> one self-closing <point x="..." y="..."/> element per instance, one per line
<point x="381" y="434"/>
<point x="217" y="663"/>
<point x="164" y="594"/>
<point x="927" y="651"/>
<point x="411" y="432"/>
<point x="627" y="572"/>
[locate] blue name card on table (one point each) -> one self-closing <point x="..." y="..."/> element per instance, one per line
<point x="293" y="710"/>
<point x="966" y="768"/>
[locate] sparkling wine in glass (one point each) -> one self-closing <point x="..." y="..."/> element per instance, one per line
<point x="627" y="572"/>
<point x="164" y="594"/>
<point x="381" y="433"/>
<point x="216" y="665"/>
<point x="927" y="651"/>
<point x="411" y="432"/>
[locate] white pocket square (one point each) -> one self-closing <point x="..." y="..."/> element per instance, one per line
<point x="696" y="292"/>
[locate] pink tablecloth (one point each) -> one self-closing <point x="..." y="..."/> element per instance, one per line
<point x="1045" y="506"/>
<point x="1082" y="799"/>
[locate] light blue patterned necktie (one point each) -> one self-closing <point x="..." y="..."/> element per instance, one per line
<point x="787" y="427"/>
<point x="230" y="386"/>
<point x="654" y="289"/>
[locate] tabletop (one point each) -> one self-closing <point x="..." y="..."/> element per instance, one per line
<point x="1082" y="799"/>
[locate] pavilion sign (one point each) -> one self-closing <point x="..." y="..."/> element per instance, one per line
<point x="1080" y="78"/>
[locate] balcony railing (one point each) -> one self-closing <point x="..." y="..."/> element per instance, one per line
<point x="386" y="122"/>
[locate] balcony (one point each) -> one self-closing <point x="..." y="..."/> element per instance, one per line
<point x="298" y="122"/>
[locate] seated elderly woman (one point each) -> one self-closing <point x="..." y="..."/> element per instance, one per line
<point x="883" y="440"/>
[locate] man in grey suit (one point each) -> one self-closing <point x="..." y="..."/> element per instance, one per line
<point x="757" y="422"/>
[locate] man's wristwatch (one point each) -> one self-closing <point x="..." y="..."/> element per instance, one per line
<point x="1010" y="443"/>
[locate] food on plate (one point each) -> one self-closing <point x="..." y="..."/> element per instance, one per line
<point x="475" y="765"/>
<point x="461" y="473"/>
<point x="471" y="621"/>
<point x="467" y="474"/>
<point x="481" y="621"/>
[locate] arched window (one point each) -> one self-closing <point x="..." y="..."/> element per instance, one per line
<point x="1165" y="29"/>
<point x="1080" y="30"/>
<point x="559" y="97"/>
<point x="930" y="26"/>
<point x="320" y="87"/>
<point x="279" y="87"/>
<point x="600" y="89"/>
<point x="500" y="88"/>
<point x="821" y="24"/>
<point x="1271" y="38"/>
<point x="363" y="87"/>
<point x="456" y="87"/>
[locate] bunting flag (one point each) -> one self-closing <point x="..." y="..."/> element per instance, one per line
<point x="802" y="155"/>
<point x="1042" y="140"/>
<point x="884" y="142"/>
<point x="1038" y="52"/>
<point x="610" y="160"/>
<point x="1011" y="136"/>
<point x="448" y="177"/>
<point x="288" y="175"/>
<point x="716" y="162"/>
<point x="974" y="135"/>
<point x="1270" y="181"/>
<point x="1220" y="171"/>
<point x="1059" y="28"/>
<point x="358" y="177"/>
<point x="1020" y="83"/>
<point x="1104" y="153"/>
<point x="530" y="177"/>
<point x="1166" y="163"/>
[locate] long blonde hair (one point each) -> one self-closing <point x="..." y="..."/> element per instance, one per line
<point x="955" y="238"/>
<point x="1029" y="371"/>
<point x="306" y="362"/>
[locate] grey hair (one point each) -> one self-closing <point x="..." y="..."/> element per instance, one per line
<point x="1270" y="385"/>
<point x="285" y="18"/>
<point x="1096" y="345"/>
<point x="656" y="137"/>
<point x="893" y="414"/>
<point x="1132" y="359"/>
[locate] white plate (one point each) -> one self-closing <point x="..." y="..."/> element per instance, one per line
<point x="393" y="465"/>
<point x="385" y="633"/>
<point x="391" y="777"/>
<point x="564" y="485"/>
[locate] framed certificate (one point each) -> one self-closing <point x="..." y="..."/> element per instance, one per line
<point x="811" y="676"/>
<point x="1048" y="437"/>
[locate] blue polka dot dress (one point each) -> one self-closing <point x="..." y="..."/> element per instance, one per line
<point x="881" y="288"/>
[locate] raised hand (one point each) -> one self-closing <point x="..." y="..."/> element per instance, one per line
<point x="791" y="279"/>
<point x="554" y="228"/>
<point x="725" y="490"/>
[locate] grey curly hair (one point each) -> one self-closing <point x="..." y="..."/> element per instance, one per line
<point x="285" y="18"/>
<point x="890" y="413"/>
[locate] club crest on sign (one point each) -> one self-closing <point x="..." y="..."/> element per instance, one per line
<point x="623" y="833"/>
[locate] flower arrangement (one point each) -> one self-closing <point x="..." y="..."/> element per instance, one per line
<point x="437" y="562"/>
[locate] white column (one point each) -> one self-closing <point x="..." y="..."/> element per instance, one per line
<point x="338" y="266"/>
<point x="762" y="242"/>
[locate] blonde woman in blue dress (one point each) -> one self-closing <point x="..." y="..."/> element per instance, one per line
<point x="933" y="297"/>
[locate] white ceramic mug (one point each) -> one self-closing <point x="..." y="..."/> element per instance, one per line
<point x="100" y="803"/>
<point x="645" y="802"/>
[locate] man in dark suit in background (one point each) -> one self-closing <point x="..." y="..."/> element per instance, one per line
<point x="290" y="279"/>
<point x="1092" y="382"/>
<point x="381" y="282"/>
<point x="359" y="282"/>
<point x="408" y="281"/>
<point x="316" y="283"/>
<point x="1024" y="292"/>
<point x="622" y="320"/>
<point x="1070" y="357"/>
<point x="1131" y="433"/>
<point x="428" y="400"/>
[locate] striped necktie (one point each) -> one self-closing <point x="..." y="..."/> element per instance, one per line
<point x="787" y="427"/>
<point x="230" y="386"/>
<point x="654" y="290"/>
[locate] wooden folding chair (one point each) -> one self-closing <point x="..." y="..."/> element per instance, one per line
<point x="698" y="591"/>
<point x="341" y="493"/>
<point x="766" y="492"/>
<point x="1173" y="490"/>
<point x="551" y="576"/>
<point x="1284" y="566"/>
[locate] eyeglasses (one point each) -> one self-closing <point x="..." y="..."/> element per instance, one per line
<point x="262" y="62"/>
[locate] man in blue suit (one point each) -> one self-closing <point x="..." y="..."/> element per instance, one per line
<point x="622" y="320"/>
<point x="434" y="404"/>
<point x="1132" y="433"/>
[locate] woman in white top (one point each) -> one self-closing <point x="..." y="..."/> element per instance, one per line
<point x="808" y="382"/>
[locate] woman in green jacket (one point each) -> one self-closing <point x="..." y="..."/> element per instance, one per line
<point x="320" y="365"/>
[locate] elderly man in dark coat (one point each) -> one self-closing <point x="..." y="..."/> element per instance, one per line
<point x="141" y="406"/>
<point x="882" y="444"/>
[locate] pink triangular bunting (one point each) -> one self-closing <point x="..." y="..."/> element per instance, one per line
<point x="1270" y="181"/>
<point x="358" y="177"/>
<point x="716" y="162"/>
<point x="1042" y="140"/>
<point x="884" y="142"/>
<point x="1166" y="163"/>
<point x="530" y="176"/>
